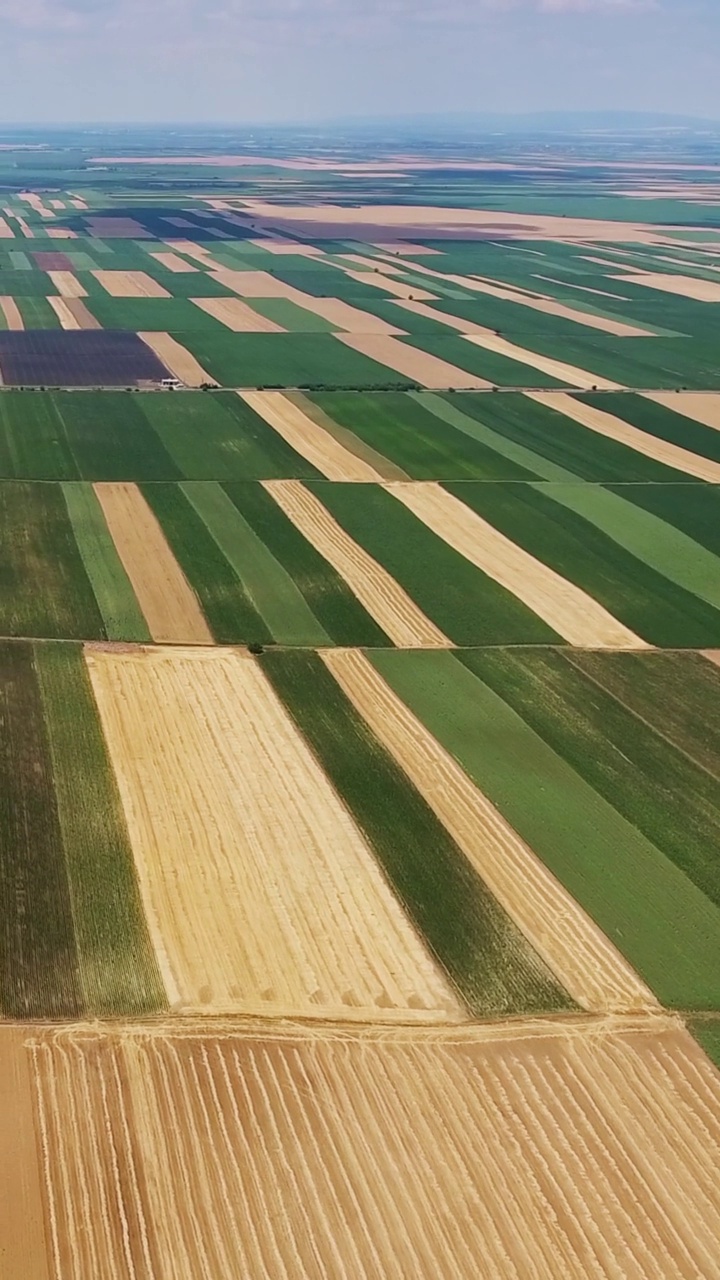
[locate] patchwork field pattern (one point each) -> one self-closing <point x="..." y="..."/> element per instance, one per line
<point x="359" y="711"/>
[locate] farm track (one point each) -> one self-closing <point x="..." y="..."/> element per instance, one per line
<point x="599" y="1136"/>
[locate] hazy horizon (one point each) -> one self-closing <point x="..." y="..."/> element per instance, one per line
<point x="275" y="61"/>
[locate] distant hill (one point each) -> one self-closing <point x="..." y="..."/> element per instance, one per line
<point x="563" y="122"/>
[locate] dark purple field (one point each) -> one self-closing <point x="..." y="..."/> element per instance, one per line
<point x="88" y="358"/>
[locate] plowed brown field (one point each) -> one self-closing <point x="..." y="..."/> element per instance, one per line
<point x="260" y="892"/>
<point x="576" y="1150"/>
<point x="388" y="603"/>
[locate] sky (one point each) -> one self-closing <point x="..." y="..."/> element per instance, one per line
<point x="297" y="60"/>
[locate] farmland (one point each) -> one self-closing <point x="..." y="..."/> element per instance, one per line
<point x="359" y="711"/>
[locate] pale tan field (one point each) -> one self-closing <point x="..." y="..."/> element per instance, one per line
<point x="68" y="284"/>
<point x="169" y="604"/>
<point x="567" y="373"/>
<point x="177" y="359"/>
<point x="406" y="249"/>
<point x="130" y="284"/>
<point x="237" y="315"/>
<point x="77" y="203"/>
<point x="283" y="247"/>
<point x="400" y="288"/>
<point x="701" y="406"/>
<point x="712" y="655"/>
<point x="526" y="226"/>
<point x="685" y="286"/>
<point x="23" y="1251"/>
<point x="453" y="322"/>
<point x="57" y="204"/>
<point x="616" y="429"/>
<point x="550" y="307"/>
<point x="343" y="314"/>
<point x="262" y="895"/>
<point x="252" y="284"/>
<point x="27" y="231"/>
<point x="11" y="312"/>
<point x="587" y="964"/>
<point x="425" y="369"/>
<point x="61" y="233"/>
<point x="6" y="231"/>
<point x="78" y="310"/>
<point x="192" y="250"/>
<point x="565" y="608"/>
<point x="385" y="600"/>
<point x="172" y="262"/>
<point x="383" y="466"/>
<point x="66" y="317"/>
<point x="581" y="1149"/>
<point x="304" y="435"/>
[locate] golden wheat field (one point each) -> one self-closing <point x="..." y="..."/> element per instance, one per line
<point x="531" y="1150"/>
<point x="261" y="893"/>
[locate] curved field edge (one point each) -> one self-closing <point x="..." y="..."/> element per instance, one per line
<point x="484" y="953"/>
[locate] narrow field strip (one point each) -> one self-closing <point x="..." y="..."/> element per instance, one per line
<point x="701" y="406"/>
<point x="385" y="600"/>
<point x="122" y="616"/>
<point x="130" y="284"/>
<point x="583" y="959"/>
<point x="685" y="286"/>
<point x="66" y="317"/>
<point x="658" y="544"/>
<point x="649" y="908"/>
<point x="382" y="465"/>
<point x="489" y="960"/>
<point x="426" y="369"/>
<point x="67" y="284"/>
<point x="400" y="288"/>
<point x="566" y="608"/>
<point x="236" y="315"/>
<point x="311" y="441"/>
<point x="23" y="1242"/>
<point x="12" y="314"/>
<point x="343" y="315"/>
<point x="169" y="605"/>
<point x="117" y="968"/>
<point x="591" y="1155"/>
<point x="272" y="590"/>
<point x="77" y="308"/>
<point x="566" y="373"/>
<point x="260" y="892"/>
<point x="614" y="428"/>
<point x="177" y="359"/>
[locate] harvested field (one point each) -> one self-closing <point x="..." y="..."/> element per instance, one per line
<point x="260" y="892"/>
<point x="237" y="315"/>
<point x="581" y="1149"/>
<point x="169" y="604"/>
<point x="130" y="284"/>
<point x="11" y="312"/>
<point x="684" y="286"/>
<point x="342" y="314"/>
<point x="566" y="373"/>
<point x="173" y="263"/>
<point x="253" y="284"/>
<point x="385" y="600"/>
<point x="400" y="288"/>
<point x="614" y="428"/>
<point x="568" y="610"/>
<point x="701" y="406"/>
<point x="66" y="317"/>
<point x="76" y="308"/>
<point x="177" y="359"/>
<point x="425" y="369"/>
<point x="22" y="1224"/>
<point x="67" y="284"/>
<point x="586" y="962"/>
<point x="304" y="435"/>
